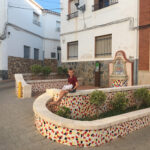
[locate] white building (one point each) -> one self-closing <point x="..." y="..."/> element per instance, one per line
<point x="95" y="32"/>
<point x="27" y="31"/>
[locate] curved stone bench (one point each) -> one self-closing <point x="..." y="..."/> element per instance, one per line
<point x="85" y="133"/>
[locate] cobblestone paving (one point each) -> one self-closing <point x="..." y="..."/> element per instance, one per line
<point x="17" y="130"/>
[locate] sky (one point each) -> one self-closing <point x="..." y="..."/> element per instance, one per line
<point x="50" y="4"/>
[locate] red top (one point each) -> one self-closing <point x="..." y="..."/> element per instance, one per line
<point x="72" y="81"/>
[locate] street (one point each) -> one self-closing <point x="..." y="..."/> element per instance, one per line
<point x="17" y="130"/>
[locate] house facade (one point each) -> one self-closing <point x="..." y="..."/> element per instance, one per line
<point x="92" y="31"/>
<point x="144" y="42"/>
<point x="28" y="34"/>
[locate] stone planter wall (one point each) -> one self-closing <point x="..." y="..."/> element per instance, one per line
<point x="86" y="133"/>
<point x="80" y="105"/>
<point x="22" y="65"/>
<point x="40" y="86"/>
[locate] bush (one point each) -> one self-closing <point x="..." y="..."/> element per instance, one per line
<point x="62" y="70"/>
<point x="36" y="69"/>
<point x="97" y="98"/>
<point x="46" y="70"/>
<point x="119" y="102"/>
<point x="65" y="71"/>
<point x="142" y="97"/>
<point x="64" y="112"/>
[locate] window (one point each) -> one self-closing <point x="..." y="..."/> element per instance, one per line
<point x="36" y="19"/>
<point x="26" y="52"/>
<point x="36" y="54"/>
<point x="53" y="55"/>
<point x="58" y="26"/>
<point x="99" y="4"/>
<point x="58" y="48"/>
<point x="103" y="45"/>
<point x="72" y="9"/>
<point x="73" y="50"/>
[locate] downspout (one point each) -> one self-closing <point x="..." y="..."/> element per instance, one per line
<point x="137" y="47"/>
<point x="136" y="60"/>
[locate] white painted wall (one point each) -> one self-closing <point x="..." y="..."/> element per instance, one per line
<point x="51" y="32"/>
<point x="22" y="31"/>
<point x="49" y="25"/>
<point x="22" y="16"/>
<point x="123" y="37"/>
<point x="17" y="49"/>
<point x="3" y="21"/>
<point x="3" y="15"/>
<point x="3" y="55"/>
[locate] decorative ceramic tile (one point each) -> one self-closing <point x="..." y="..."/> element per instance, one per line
<point x="85" y="138"/>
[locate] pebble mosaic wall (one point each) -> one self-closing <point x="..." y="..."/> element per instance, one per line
<point x="40" y="87"/>
<point x="90" y="135"/>
<point x="81" y="107"/>
<point x="86" y="138"/>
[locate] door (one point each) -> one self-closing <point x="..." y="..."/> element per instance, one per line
<point x="59" y="55"/>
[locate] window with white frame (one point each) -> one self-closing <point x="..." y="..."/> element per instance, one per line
<point x="36" y="54"/>
<point x="26" y="52"/>
<point x="73" y="50"/>
<point x="103" y="45"/>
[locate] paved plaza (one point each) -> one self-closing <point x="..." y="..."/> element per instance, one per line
<point x="17" y="130"/>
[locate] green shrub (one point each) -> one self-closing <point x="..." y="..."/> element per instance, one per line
<point x="65" y="70"/>
<point x="36" y="69"/>
<point x="64" y="112"/>
<point x="142" y="97"/>
<point x="46" y="70"/>
<point x="119" y="102"/>
<point x="97" y="98"/>
<point x="62" y="70"/>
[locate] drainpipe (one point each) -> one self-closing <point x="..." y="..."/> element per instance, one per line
<point x="136" y="61"/>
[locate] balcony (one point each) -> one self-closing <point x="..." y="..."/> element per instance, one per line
<point x="104" y="4"/>
<point x="72" y="15"/>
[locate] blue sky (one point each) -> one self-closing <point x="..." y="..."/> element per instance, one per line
<point x="50" y="4"/>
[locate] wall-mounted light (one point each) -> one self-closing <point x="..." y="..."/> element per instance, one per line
<point x="81" y="8"/>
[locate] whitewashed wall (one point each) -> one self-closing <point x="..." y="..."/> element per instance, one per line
<point x="124" y="37"/>
<point x="51" y="32"/>
<point x="3" y="20"/>
<point x="22" y="31"/>
<point x="3" y="15"/>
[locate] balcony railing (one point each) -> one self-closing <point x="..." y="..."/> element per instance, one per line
<point x="72" y="15"/>
<point x="104" y="4"/>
